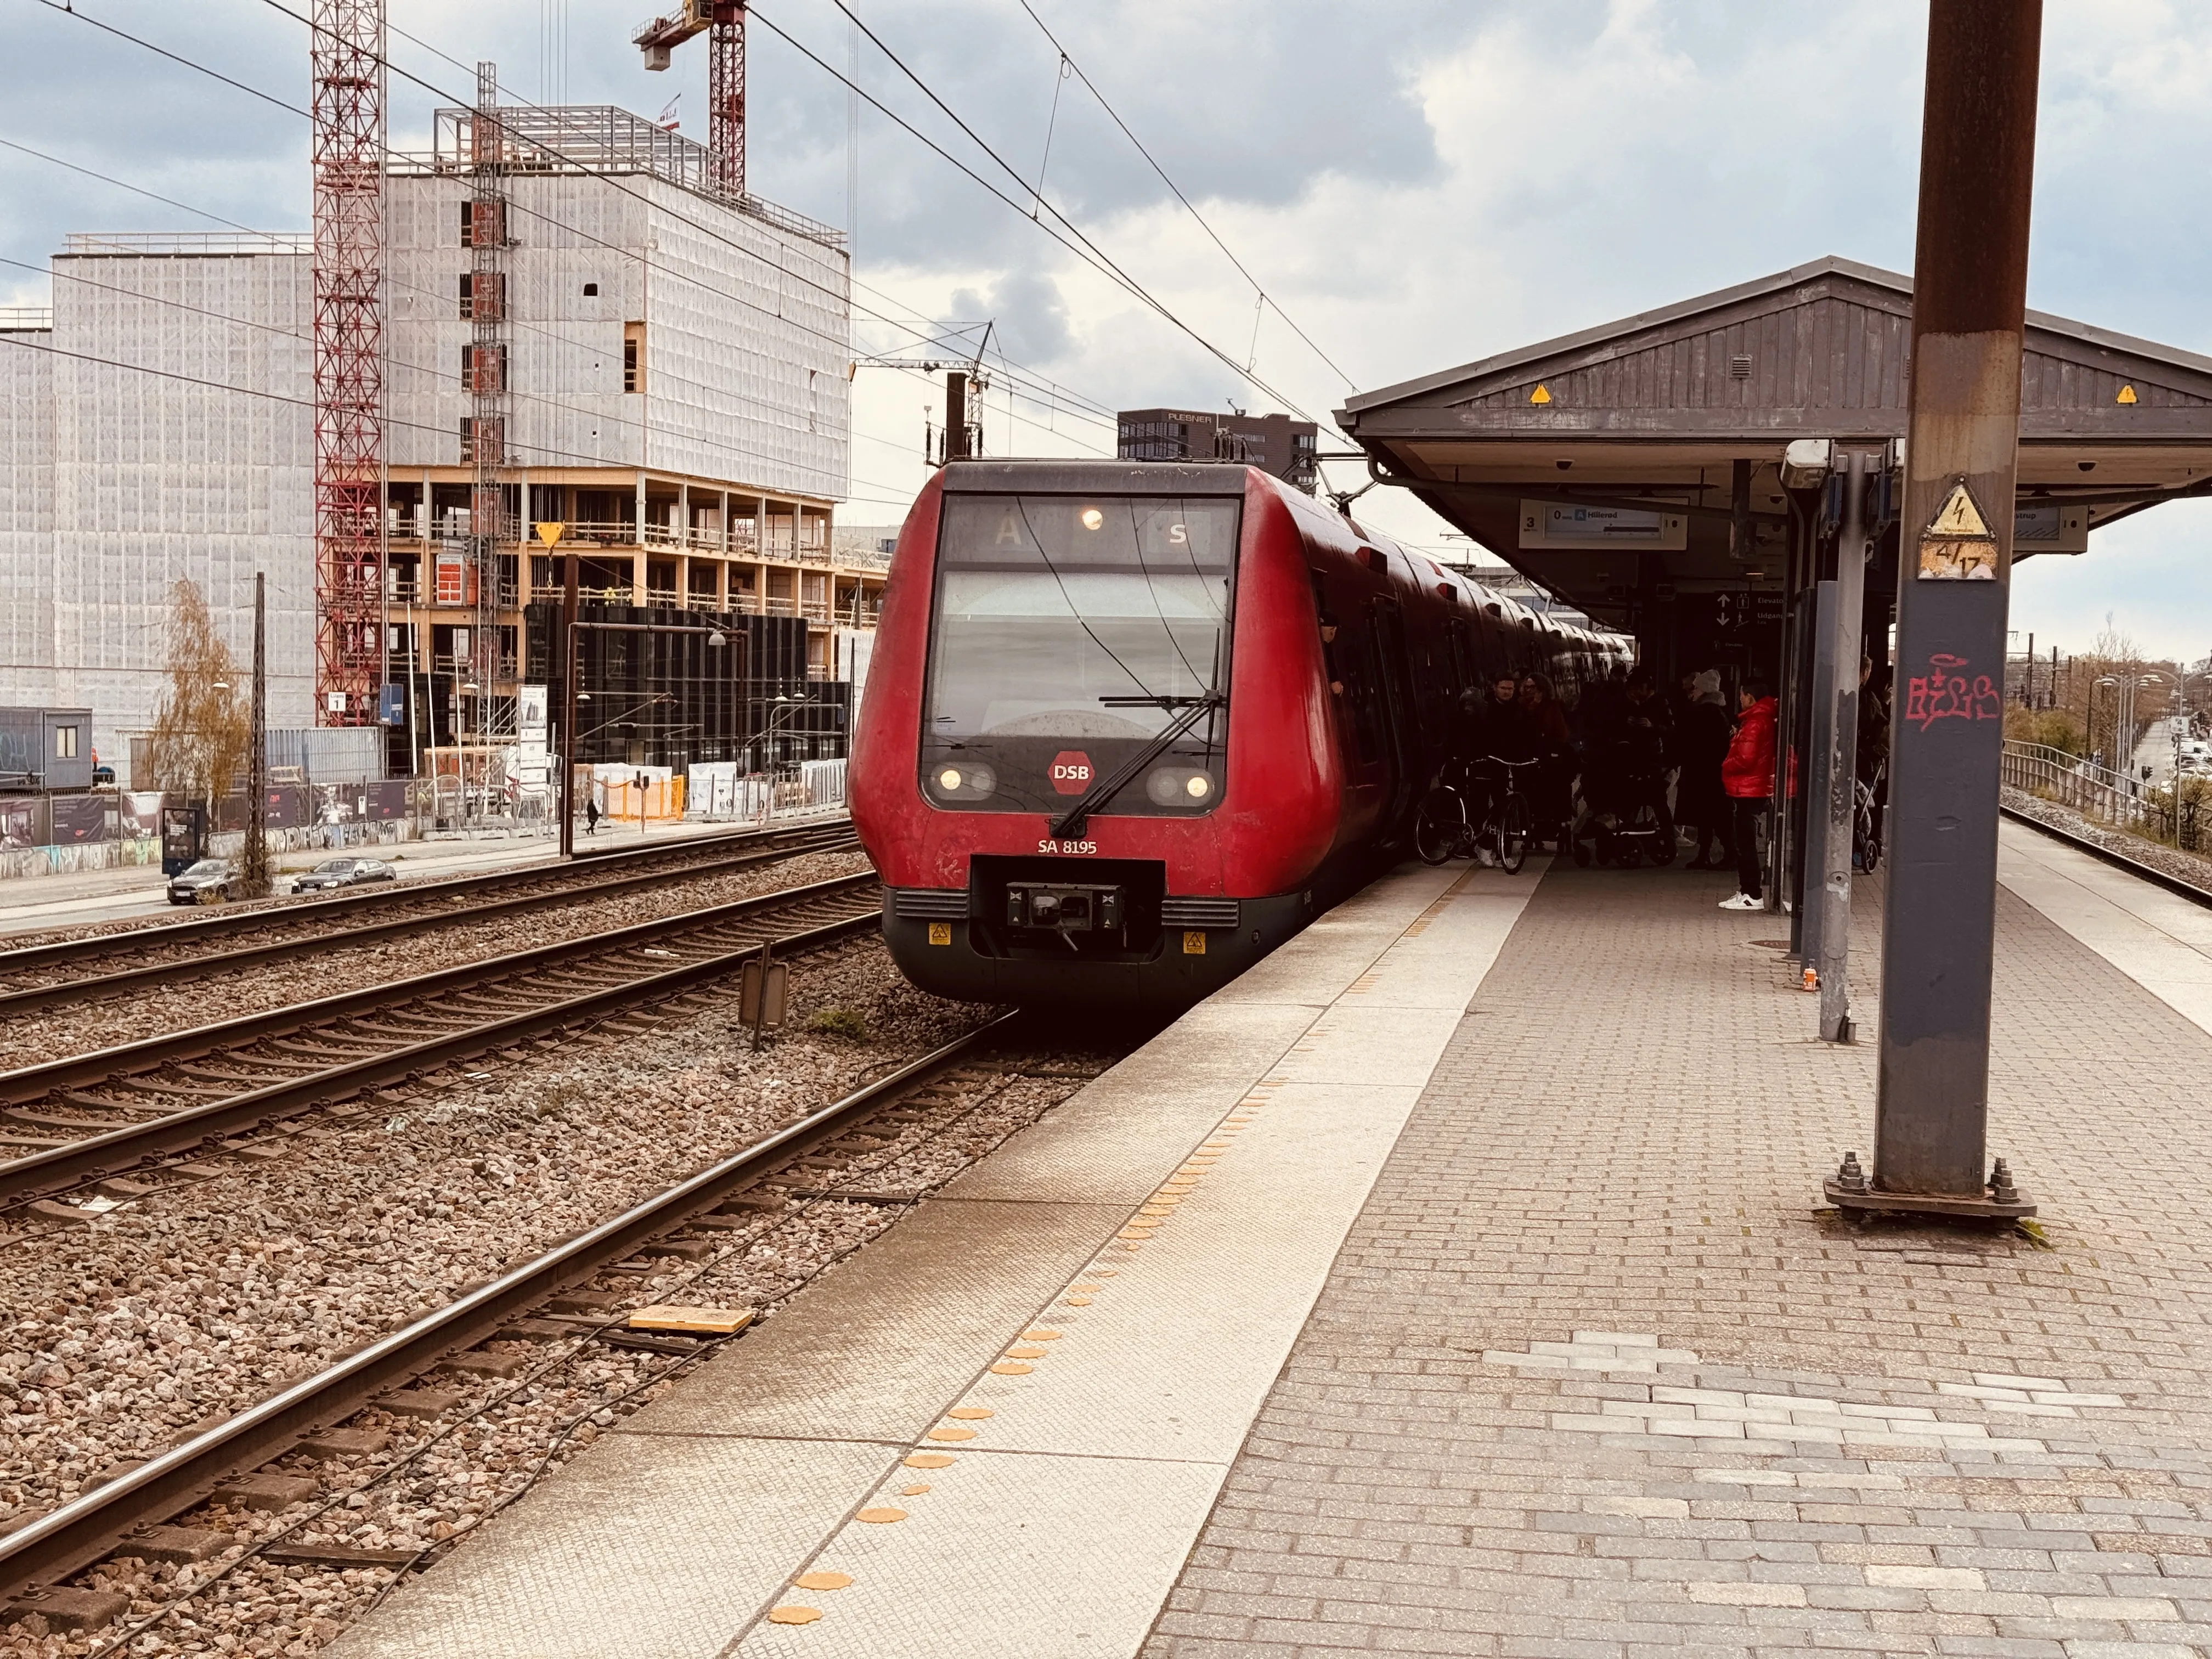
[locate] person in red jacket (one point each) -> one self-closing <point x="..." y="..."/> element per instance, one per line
<point x="1748" y="775"/>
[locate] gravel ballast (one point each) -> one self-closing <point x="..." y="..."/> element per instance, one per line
<point x="2167" y="861"/>
<point x="187" y="1305"/>
<point x="74" y="1028"/>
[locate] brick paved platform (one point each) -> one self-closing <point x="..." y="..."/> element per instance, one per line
<point x="1591" y="1379"/>
<point x="1453" y="1284"/>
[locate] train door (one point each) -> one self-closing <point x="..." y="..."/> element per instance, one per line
<point x="1386" y="633"/>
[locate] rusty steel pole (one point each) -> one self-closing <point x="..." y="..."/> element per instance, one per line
<point x="1954" y="569"/>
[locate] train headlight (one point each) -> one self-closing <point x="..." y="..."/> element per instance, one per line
<point x="968" y="780"/>
<point x="1092" y="518"/>
<point x="1179" y="786"/>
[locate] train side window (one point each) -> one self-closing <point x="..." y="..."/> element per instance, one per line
<point x="1331" y="657"/>
<point x="1363" y="694"/>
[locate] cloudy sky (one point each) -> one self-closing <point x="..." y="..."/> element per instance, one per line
<point x="1415" y="184"/>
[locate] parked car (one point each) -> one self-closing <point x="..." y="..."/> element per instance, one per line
<point x="343" y="872"/>
<point x="211" y="881"/>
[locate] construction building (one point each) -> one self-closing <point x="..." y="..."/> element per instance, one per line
<point x="1274" y="443"/>
<point x="585" y="347"/>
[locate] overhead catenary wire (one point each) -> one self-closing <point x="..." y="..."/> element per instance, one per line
<point x="842" y="343"/>
<point x="800" y="278"/>
<point x="18" y="340"/>
<point x="283" y="332"/>
<point x="1102" y="410"/>
<point x="1050" y="398"/>
<point x="279" y="241"/>
<point x="1115" y="115"/>
<point x="1080" y="244"/>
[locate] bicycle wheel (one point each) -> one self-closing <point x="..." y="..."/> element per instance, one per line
<point x="1515" y="825"/>
<point x="1440" y="825"/>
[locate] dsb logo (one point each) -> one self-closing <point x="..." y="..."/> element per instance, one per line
<point x="1071" y="772"/>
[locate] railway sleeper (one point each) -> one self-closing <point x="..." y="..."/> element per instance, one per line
<point x="183" y="1546"/>
<point x="69" y="1611"/>
<point x="313" y="1552"/>
<point x="331" y="1444"/>
<point x="265" y="1491"/>
<point x="419" y="1403"/>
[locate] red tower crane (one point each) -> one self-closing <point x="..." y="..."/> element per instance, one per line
<point x="723" y="23"/>
<point x="347" y="58"/>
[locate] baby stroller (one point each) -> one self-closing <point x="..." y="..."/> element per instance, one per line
<point x="1625" y="820"/>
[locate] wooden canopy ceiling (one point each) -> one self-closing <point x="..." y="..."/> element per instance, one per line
<point x="1652" y="413"/>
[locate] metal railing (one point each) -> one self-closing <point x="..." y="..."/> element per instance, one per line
<point x="2094" y="791"/>
<point x="190" y="241"/>
<point x="586" y="138"/>
<point x="2173" y="813"/>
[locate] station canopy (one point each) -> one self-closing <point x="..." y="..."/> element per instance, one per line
<point x="1603" y="464"/>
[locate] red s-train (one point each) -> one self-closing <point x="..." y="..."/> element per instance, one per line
<point x="1129" y="725"/>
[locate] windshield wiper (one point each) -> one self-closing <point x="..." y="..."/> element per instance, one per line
<point x="1153" y="702"/>
<point x="1071" y="822"/>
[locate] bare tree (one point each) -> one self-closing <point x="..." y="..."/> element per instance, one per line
<point x="201" y="732"/>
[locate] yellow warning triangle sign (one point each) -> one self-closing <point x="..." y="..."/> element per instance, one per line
<point x="1541" y="395"/>
<point x="1959" y="516"/>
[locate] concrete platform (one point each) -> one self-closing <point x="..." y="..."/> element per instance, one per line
<point x="1452" y="1284"/>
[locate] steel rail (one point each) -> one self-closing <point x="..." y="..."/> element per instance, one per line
<point x="95" y="1524"/>
<point x="145" y="1054"/>
<point x="30" y="958"/>
<point x="100" y="1155"/>
<point x="110" y="981"/>
<point x="2151" y="874"/>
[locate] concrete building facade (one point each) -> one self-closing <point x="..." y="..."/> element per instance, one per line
<point x="676" y="396"/>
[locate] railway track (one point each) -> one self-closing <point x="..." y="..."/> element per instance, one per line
<point x="119" y="964"/>
<point x="2150" y="873"/>
<point x="92" y="1118"/>
<point x="729" y="1194"/>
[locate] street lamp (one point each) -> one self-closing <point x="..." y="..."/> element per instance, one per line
<point x="784" y="704"/>
<point x="2124" y="687"/>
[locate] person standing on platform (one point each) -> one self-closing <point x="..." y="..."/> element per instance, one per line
<point x="1549" y="796"/>
<point x="1502" y="732"/>
<point x="1700" y="801"/>
<point x="1747" y="773"/>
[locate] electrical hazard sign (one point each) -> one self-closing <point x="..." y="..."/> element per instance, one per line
<point x="1958" y="545"/>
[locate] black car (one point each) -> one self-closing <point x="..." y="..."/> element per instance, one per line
<point x="343" y="872"/>
<point x="211" y="881"/>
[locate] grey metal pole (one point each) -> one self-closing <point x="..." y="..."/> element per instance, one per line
<point x="1828" y="671"/>
<point x="1835" y="798"/>
<point x="1970" y="283"/>
<point x="255" y="874"/>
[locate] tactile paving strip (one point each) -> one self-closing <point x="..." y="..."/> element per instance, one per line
<point x="1066" y="1350"/>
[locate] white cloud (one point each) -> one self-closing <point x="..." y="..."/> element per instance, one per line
<point x="1417" y="182"/>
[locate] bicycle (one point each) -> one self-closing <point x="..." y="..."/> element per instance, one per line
<point x="1442" y="829"/>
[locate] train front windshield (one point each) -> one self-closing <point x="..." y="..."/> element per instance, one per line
<point x="1070" y="632"/>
